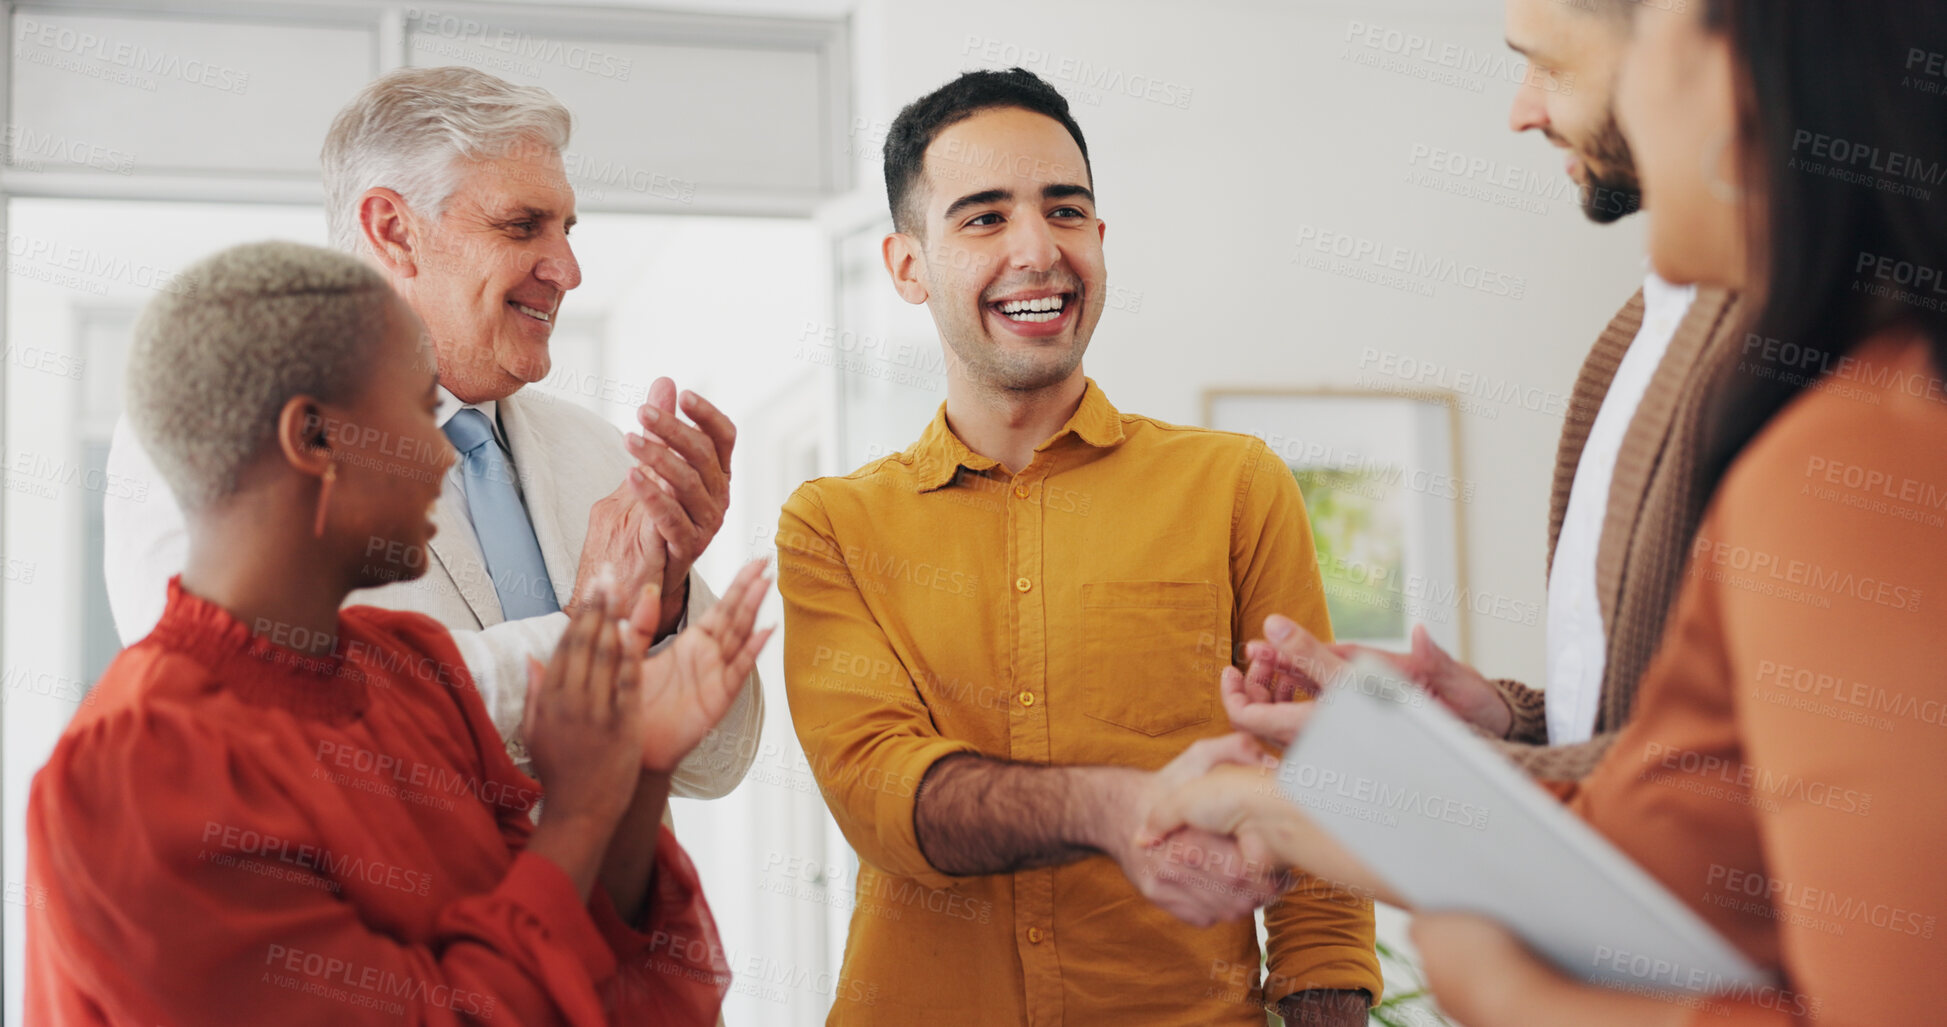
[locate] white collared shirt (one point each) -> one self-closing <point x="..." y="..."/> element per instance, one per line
<point x="1577" y="641"/>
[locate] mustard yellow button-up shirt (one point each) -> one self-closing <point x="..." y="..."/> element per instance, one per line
<point x="1078" y="612"/>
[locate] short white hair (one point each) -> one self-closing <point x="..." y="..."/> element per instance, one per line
<point x="210" y="369"/>
<point x="409" y="130"/>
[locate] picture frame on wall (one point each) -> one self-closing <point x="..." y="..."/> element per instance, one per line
<point x="1380" y="474"/>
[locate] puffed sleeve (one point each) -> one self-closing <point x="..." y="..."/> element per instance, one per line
<point x="134" y="829"/>
<point x="141" y="830"/>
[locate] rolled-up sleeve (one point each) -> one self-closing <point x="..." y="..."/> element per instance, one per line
<point x="1320" y="936"/>
<point x="865" y="730"/>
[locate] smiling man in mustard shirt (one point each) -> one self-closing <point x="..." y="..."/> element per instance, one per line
<point x="994" y="639"/>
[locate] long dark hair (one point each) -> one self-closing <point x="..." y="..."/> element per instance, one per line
<point x="1842" y="111"/>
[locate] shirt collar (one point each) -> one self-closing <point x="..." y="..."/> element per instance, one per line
<point x="939" y="454"/>
<point x="450" y="404"/>
<point x="1660" y="295"/>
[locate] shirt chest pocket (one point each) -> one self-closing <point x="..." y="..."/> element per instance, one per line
<point x="1145" y="647"/>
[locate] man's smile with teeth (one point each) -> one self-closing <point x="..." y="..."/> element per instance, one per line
<point x="538" y="315"/>
<point x="1034" y="311"/>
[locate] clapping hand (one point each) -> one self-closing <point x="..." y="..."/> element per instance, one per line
<point x="1291" y="663"/>
<point x="688" y="467"/>
<point x="584" y="715"/>
<point x="689" y="685"/>
<point x="651" y="529"/>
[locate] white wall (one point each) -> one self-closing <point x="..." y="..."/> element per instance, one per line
<point x="1280" y="132"/>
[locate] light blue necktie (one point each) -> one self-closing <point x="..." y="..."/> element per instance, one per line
<point x="500" y="522"/>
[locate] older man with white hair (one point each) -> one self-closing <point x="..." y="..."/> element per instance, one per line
<point x="450" y="181"/>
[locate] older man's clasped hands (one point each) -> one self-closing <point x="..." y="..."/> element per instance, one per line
<point x="655" y="524"/>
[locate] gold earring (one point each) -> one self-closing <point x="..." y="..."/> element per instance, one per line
<point x="324" y="499"/>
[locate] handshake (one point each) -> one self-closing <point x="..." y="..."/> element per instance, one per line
<point x="1213" y="837"/>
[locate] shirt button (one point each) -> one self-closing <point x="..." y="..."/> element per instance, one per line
<point x="1027" y="698"/>
<point x="1022" y="584"/>
<point x="1034" y="935"/>
<point x="1020" y="492"/>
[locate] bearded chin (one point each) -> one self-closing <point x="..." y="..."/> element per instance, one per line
<point x="1022" y="372"/>
<point x="1611" y="195"/>
<point x="986" y="364"/>
<point x="1607" y="200"/>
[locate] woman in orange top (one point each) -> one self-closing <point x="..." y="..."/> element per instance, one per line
<point x="276" y="811"/>
<point x="1784" y="772"/>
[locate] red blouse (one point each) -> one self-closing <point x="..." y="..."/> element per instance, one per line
<point x="234" y="832"/>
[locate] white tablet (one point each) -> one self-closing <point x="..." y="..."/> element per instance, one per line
<point x="1451" y="825"/>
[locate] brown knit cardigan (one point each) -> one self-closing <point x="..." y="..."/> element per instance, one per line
<point x="1656" y="498"/>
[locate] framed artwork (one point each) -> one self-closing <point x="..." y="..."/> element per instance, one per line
<point x="1380" y="473"/>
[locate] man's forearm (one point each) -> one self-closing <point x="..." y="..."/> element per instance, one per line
<point x="630" y="862"/>
<point x="976" y="815"/>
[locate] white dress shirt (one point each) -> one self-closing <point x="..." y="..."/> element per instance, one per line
<point x="1577" y="641"/>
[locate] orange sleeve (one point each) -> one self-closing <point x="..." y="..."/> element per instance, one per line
<point x="145" y="830"/>
<point x="1319" y="936"/>
<point x="673" y="969"/>
<point x="1823" y="592"/>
